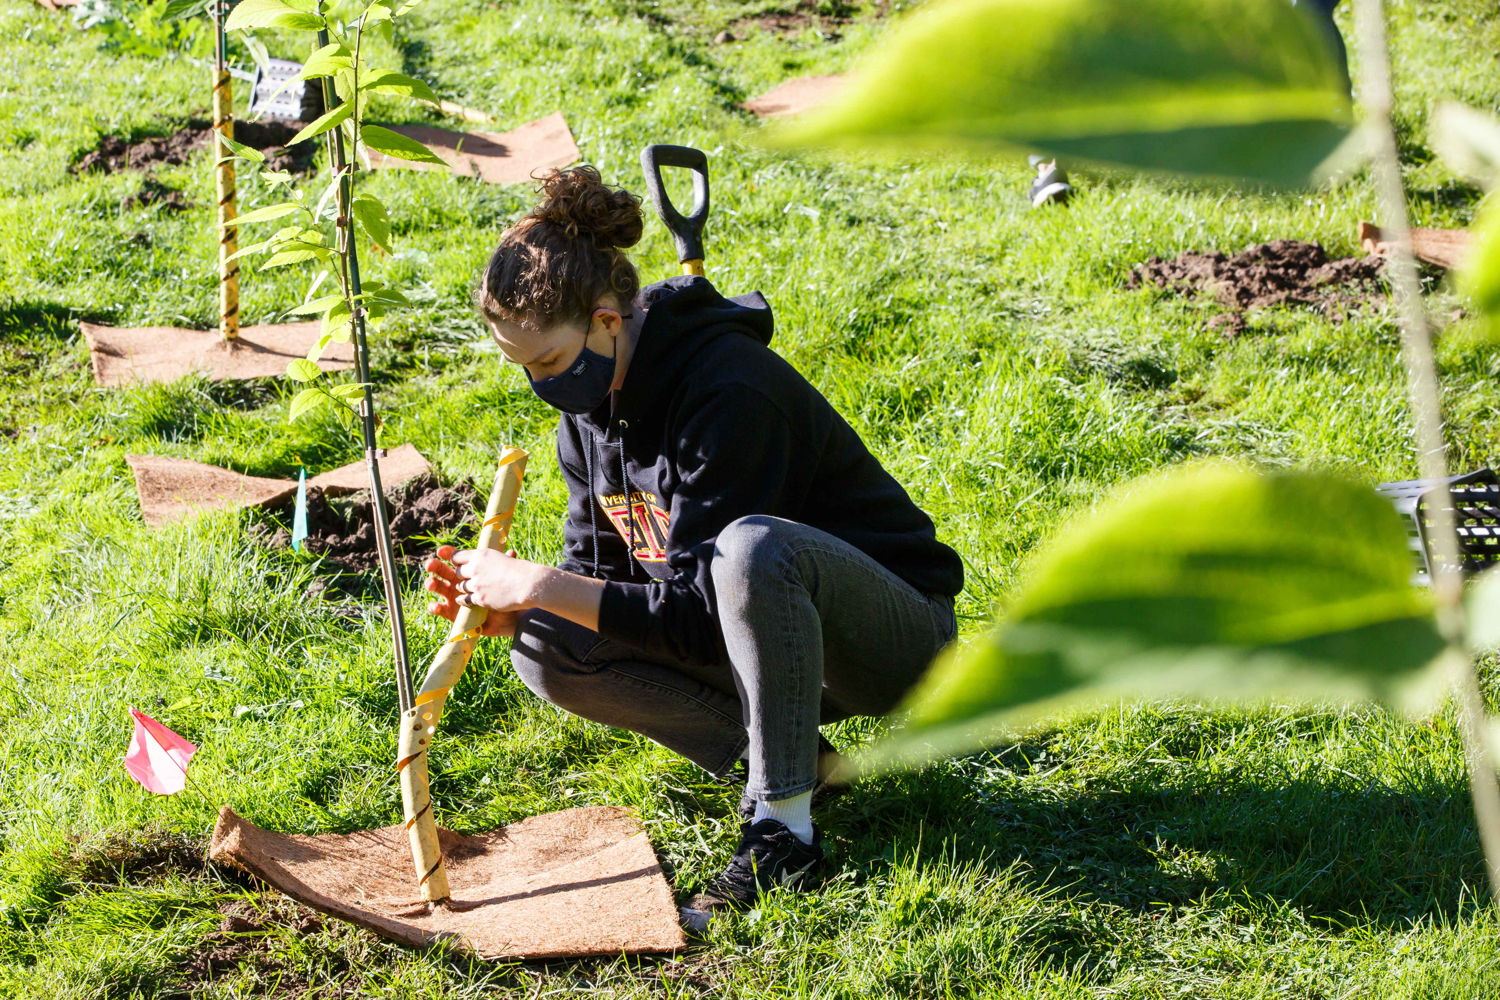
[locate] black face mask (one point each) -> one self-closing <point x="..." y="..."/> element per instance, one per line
<point x="583" y="387"/>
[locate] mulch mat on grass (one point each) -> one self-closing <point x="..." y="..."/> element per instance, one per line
<point x="512" y="157"/>
<point x="143" y="354"/>
<point x="116" y="153"/>
<point x="339" y="528"/>
<point x="795" y="96"/>
<point x="1281" y="272"/>
<point x="567" y="884"/>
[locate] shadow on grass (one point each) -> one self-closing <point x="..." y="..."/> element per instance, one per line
<point x="31" y="320"/>
<point x="1335" y="851"/>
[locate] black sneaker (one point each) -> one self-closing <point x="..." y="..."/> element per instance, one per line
<point x="1051" y="184"/>
<point x="823" y="789"/>
<point x="769" y="855"/>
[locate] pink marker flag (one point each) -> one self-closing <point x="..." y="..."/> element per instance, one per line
<point x="157" y="757"/>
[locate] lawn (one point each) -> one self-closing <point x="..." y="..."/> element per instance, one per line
<point x="990" y="354"/>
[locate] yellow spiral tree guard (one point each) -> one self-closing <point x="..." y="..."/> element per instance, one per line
<point x="419" y="723"/>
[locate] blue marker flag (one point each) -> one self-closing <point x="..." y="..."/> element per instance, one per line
<point x="299" y="514"/>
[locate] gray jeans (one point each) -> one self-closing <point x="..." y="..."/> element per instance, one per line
<point x="816" y="631"/>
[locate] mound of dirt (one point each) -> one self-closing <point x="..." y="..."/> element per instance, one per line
<point x="134" y="857"/>
<point x="341" y="529"/>
<point x="1281" y="272"/>
<point x="270" y="137"/>
<point x="255" y="937"/>
<point x="154" y="192"/>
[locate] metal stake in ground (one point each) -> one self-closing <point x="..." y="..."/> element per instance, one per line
<point x="229" y="270"/>
<point x="343" y="170"/>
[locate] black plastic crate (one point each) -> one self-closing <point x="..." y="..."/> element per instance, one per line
<point x="1474" y="499"/>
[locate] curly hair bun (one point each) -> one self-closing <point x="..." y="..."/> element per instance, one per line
<point x="579" y="203"/>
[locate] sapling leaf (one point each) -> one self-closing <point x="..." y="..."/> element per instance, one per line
<point x="324" y="122"/>
<point x="407" y="7"/>
<point x="371" y="216"/>
<point x="181" y="9"/>
<point x="240" y="149"/>
<point x="282" y="177"/>
<point x="1211" y="581"/>
<point x="303" y="252"/>
<point x="302" y="370"/>
<point x="376" y="13"/>
<point x="326" y="61"/>
<point x="314" y="306"/>
<point x="281" y="236"/>
<point x="268" y="212"/>
<point x="1243" y="89"/>
<point x="383" y="140"/>
<point x="249" y="14"/>
<point x="346" y="390"/>
<point x="306" y="401"/>
<point x="391" y="82"/>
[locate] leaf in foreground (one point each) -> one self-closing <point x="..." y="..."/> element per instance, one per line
<point x="1243" y="89"/>
<point x="1212" y="581"/>
<point x="383" y="140"/>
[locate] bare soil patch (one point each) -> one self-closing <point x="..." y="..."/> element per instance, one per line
<point x="1281" y="272"/>
<point x="116" y="153"/>
<point x="252" y="937"/>
<point x="154" y="192"/>
<point x="822" y="16"/>
<point x="339" y="528"/>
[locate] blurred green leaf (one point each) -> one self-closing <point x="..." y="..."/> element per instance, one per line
<point x="240" y="149"/>
<point x="268" y="212"/>
<point x="250" y="14"/>
<point x="324" y="122"/>
<point x="302" y="370"/>
<point x="318" y="305"/>
<point x="1244" y="89"/>
<point x="383" y="140"/>
<point x="1468" y="141"/>
<point x="391" y="82"/>
<point x="1212" y="581"/>
<point x="1483" y="602"/>
<point x="1479" y="278"/>
<point x="328" y="60"/>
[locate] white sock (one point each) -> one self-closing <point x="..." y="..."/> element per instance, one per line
<point x="794" y="813"/>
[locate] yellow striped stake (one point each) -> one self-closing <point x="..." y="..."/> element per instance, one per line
<point x="419" y="723"/>
<point x="229" y="270"/>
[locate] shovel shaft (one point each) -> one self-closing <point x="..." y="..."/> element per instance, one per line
<point x="419" y="723"/>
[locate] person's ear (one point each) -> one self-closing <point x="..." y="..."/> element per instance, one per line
<point x="613" y="322"/>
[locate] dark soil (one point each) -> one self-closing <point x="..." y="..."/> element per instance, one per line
<point x="821" y="15"/>
<point x="340" y="528"/>
<point x="153" y="192"/>
<point x="252" y="937"/>
<point x="1281" y="272"/>
<point x="116" y="153"/>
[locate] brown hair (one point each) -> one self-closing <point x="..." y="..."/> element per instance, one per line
<point x="564" y="255"/>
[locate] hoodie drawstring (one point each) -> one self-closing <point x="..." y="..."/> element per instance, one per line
<point x="629" y="501"/>
<point x="588" y="461"/>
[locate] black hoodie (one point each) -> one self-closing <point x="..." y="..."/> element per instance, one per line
<point x="710" y="426"/>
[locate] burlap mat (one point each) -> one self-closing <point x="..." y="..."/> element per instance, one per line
<point x="513" y="157"/>
<point x="795" y="96"/>
<point x="128" y="356"/>
<point x="1443" y="248"/>
<point x="173" y="488"/>
<point x="567" y="884"/>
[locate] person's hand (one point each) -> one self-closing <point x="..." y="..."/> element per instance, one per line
<point x="456" y="591"/>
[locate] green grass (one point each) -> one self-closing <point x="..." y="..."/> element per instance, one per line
<point x="989" y="354"/>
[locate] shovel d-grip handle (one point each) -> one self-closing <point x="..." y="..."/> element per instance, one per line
<point x="686" y="230"/>
<point x="419" y="723"/>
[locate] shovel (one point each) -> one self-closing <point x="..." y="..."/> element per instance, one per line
<point x="686" y="230"/>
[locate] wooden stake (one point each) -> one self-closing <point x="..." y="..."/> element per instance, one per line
<point x="229" y="270"/>
<point x="419" y="723"/>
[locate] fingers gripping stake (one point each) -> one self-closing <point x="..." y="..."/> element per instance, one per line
<point x="419" y="723"/>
